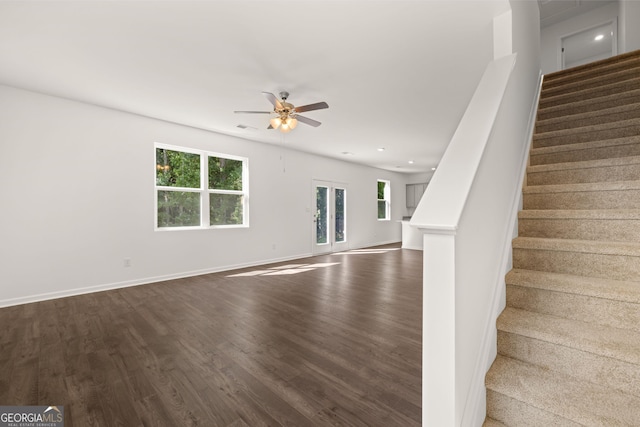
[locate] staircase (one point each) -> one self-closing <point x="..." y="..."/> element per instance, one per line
<point x="569" y="337"/>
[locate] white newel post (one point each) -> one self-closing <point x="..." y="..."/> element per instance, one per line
<point x="438" y="329"/>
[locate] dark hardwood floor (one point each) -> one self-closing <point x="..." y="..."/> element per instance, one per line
<point x="330" y="340"/>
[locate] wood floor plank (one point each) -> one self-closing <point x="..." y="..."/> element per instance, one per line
<point x="323" y="341"/>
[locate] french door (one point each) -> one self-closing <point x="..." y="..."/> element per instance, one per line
<point x="329" y="217"/>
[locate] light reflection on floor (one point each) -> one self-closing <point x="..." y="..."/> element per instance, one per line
<point x="366" y="251"/>
<point x="286" y="269"/>
<point x="301" y="268"/>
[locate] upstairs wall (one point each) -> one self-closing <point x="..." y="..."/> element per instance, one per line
<point x="627" y="14"/>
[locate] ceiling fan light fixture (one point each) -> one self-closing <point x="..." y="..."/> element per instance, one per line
<point x="292" y="122"/>
<point x="285" y="128"/>
<point x="286" y="114"/>
<point x="275" y="122"/>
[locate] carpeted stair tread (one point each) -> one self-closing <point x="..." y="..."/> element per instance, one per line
<point x="620" y="225"/>
<point x="594" y="368"/>
<point x="578" y="246"/>
<point x="582" y="187"/>
<point x="607" y="341"/>
<point x="591" y="92"/>
<point x="515" y="413"/>
<point x="589" y="105"/>
<point x="581" y="402"/>
<point x="592" y="150"/>
<point x="626" y="214"/>
<point x="600" y="67"/>
<point x="574" y="305"/>
<point x="606" y="115"/>
<point x="604" y="131"/>
<point x="490" y="422"/>
<point x="585" y="164"/>
<point x="554" y="149"/>
<point x="591" y="195"/>
<point x="599" y="170"/>
<point x="589" y="80"/>
<point x="618" y="290"/>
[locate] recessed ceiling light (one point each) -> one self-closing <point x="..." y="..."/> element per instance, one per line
<point x="381" y="149"/>
<point x="433" y="169"/>
<point x="599" y="37"/>
<point x="410" y="162"/>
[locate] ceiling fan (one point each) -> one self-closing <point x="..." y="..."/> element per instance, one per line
<point x="286" y="115"/>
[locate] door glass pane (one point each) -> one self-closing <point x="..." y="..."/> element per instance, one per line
<point x="340" y="214"/>
<point x="322" y="210"/>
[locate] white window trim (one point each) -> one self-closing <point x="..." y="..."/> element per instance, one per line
<point x="204" y="190"/>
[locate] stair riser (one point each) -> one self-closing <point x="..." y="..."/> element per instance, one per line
<point x="513" y="412"/>
<point x="590" y="82"/>
<point x="622" y="199"/>
<point x="586" y="366"/>
<point x="590" y="105"/>
<point x="580" y="229"/>
<point x="618" y="314"/>
<point x="594" y="119"/>
<point x="613" y="89"/>
<point x="598" y="153"/>
<point x="617" y="267"/>
<point x="595" y="174"/>
<point x="623" y="131"/>
<point x="590" y="71"/>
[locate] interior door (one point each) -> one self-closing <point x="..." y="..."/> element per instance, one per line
<point x="589" y="45"/>
<point x="329" y="217"/>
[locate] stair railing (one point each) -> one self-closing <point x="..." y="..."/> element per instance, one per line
<point x="467" y="200"/>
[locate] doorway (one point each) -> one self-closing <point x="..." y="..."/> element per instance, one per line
<point x="592" y="44"/>
<point x="329" y="217"/>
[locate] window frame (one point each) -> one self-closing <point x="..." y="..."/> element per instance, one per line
<point x="386" y="199"/>
<point x="203" y="190"/>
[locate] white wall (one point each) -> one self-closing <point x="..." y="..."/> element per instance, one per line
<point x="629" y="25"/>
<point x="77" y="198"/>
<point x="550" y="36"/>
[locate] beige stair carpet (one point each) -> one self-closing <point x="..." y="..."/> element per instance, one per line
<point x="569" y="337"/>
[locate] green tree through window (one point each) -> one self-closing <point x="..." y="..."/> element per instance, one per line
<point x="384" y="204"/>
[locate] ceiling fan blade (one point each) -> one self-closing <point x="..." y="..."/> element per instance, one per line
<point x="253" y="112"/>
<point x="308" y="121"/>
<point x="272" y="99"/>
<point x="311" y="107"/>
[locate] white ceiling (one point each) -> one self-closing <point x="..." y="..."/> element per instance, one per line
<point x="554" y="11"/>
<point x="396" y="74"/>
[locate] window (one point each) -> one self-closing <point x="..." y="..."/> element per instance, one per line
<point x="198" y="189"/>
<point x="384" y="200"/>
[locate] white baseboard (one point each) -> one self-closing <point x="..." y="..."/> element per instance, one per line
<point x="154" y="279"/>
<point x="141" y="281"/>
